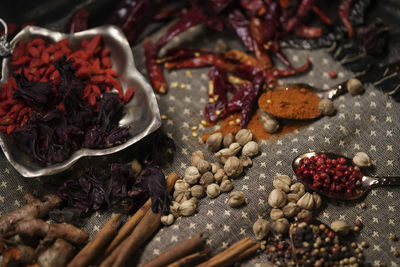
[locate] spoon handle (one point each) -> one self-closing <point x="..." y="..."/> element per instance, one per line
<point x="389" y="180"/>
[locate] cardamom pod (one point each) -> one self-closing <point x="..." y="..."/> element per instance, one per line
<point x="261" y="229"/>
<point x="277" y="198"/>
<point x="306" y="202"/>
<point x="236" y="199"/>
<point x="340" y="227"/>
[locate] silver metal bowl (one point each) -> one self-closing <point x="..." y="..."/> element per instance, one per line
<point x="141" y="113"/>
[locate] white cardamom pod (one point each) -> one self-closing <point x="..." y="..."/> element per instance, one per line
<point x="214" y="141"/>
<point x="203" y="166"/>
<point x="243" y="136"/>
<point x="306" y="202"/>
<point x="235" y="148"/>
<point x="277" y="198"/>
<point x="233" y="167"/>
<point x="261" y="229"/>
<point x="250" y="149"/>
<point x="175" y="209"/>
<point x="196" y="156"/>
<point x="197" y="191"/>
<point x="276" y="214"/>
<point x="168" y="219"/>
<point x="317" y="200"/>
<point x="215" y="167"/>
<point x="228" y="140"/>
<point x="290" y="210"/>
<point x="280" y="184"/>
<point x="226" y="186"/>
<point x="298" y="188"/>
<point x="213" y="190"/>
<point x="281" y="226"/>
<point x="304" y="214"/>
<point x="187" y="208"/>
<point x="192" y="175"/>
<point x="340" y="227"/>
<point x="361" y="159"/>
<point x="219" y="175"/>
<point x="236" y="199"/>
<point x="292" y="197"/>
<point x="181" y="185"/>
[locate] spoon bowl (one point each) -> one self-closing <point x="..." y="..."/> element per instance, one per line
<point x="367" y="182"/>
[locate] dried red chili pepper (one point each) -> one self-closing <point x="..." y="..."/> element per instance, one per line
<point x="302" y="11"/>
<point x="255" y="7"/>
<point x="281" y="56"/>
<point x="308" y="32"/>
<point x="191" y="18"/>
<point x="170" y="13"/>
<point x="154" y="70"/>
<point x="321" y="14"/>
<point x="133" y="15"/>
<point x="241" y="57"/>
<point x="283" y="73"/>
<point x="236" y="102"/>
<point x="129" y="94"/>
<point x="201" y="61"/>
<point x="241" y="26"/>
<point x="344" y="11"/>
<point x="250" y="100"/>
<point x="217" y="6"/>
<point x="180" y="53"/>
<point x="215" y="109"/>
<point x="79" y="21"/>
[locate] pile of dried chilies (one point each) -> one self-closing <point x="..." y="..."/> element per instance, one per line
<point x="259" y="25"/>
<point x="60" y="100"/>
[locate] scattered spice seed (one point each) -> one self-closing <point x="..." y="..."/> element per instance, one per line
<point x="194" y="128"/>
<point x="396" y="253"/>
<point x="363" y="205"/>
<point x="183" y="86"/>
<point x="188" y="73"/>
<point x="194" y="134"/>
<point x="174" y="84"/>
<point x="393" y="237"/>
<point x="332" y="74"/>
<point x="164" y="117"/>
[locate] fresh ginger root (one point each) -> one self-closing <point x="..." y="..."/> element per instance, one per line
<point x="19" y="255"/>
<point x="40" y="228"/>
<point x="34" y="209"/>
<point x="57" y="255"/>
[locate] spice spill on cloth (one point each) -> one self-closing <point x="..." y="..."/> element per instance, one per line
<point x="290" y="104"/>
<point x="231" y="124"/>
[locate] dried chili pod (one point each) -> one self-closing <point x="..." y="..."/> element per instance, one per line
<point x="154" y="70"/>
<point x="241" y="26"/>
<point x="80" y="21"/>
<point x="271" y="22"/>
<point x="191" y="18"/>
<point x="255" y="7"/>
<point x="241" y="57"/>
<point x="236" y="102"/>
<point x="215" y="109"/>
<point x="308" y="32"/>
<point x="321" y="14"/>
<point x="256" y="30"/>
<point x="201" y="61"/>
<point x="217" y="6"/>
<point x="283" y="73"/>
<point x="133" y="15"/>
<point x="281" y="56"/>
<point x="302" y="11"/>
<point x="170" y="13"/>
<point x="344" y="11"/>
<point x="180" y="53"/>
<point x="250" y="100"/>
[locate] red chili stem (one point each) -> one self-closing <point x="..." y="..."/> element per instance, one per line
<point x="321" y="14"/>
<point x="80" y="21"/>
<point x="344" y="11"/>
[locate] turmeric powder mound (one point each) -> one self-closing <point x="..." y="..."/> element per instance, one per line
<point x="256" y="126"/>
<point x="290" y="104"/>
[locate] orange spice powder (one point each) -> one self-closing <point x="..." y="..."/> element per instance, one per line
<point x="231" y="125"/>
<point x="290" y="104"/>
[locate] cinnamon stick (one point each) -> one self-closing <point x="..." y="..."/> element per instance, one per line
<point x="231" y="254"/>
<point x="185" y="248"/>
<point x="128" y="227"/>
<point x="191" y="259"/>
<point x="143" y="230"/>
<point x="248" y="252"/>
<point x="93" y="249"/>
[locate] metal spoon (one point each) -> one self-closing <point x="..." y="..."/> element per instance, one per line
<point x="373" y="75"/>
<point x="367" y="182"/>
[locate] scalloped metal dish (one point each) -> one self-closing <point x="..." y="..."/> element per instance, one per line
<point x="141" y="113"/>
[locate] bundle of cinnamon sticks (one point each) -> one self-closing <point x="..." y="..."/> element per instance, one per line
<point x="118" y="246"/>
